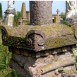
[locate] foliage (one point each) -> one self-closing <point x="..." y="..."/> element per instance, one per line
<point x="12" y="74"/>
<point x="5" y="56"/>
<point x="64" y="21"/>
<point x="4" y="61"/>
<point x="0" y="10"/>
<point x="16" y="18"/>
<point x="76" y="62"/>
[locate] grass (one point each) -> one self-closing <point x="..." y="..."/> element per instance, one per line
<point x="5" y="56"/>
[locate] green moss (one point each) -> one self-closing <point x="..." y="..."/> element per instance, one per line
<point x="56" y="35"/>
<point x="48" y="30"/>
<point x="60" y="41"/>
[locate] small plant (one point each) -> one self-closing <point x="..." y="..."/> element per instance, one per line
<point x="5" y="56"/>
<point x="64" y="21"/>
<point x="75" y="62"/>
<point x="12" y="74"/>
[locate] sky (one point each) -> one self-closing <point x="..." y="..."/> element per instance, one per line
<point x="56" y="5"/>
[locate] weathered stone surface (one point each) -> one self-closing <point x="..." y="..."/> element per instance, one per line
<point x="75" y="30"/>
<point x="57" y="19"/>
<point x="40" y="12"/>
<point x="21" y="31"/>
<point x="28" y="16"/>
<point x="53" y="36"/>
<point x="54" y="42"/>
<point x="47" y="66"/>
<point x="9" y="14"/>
<point x="23" y="11"/>
<point x="23" y="18"/>
<point x="19" y="69"/>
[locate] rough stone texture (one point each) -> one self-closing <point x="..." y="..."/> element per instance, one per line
<point x="40" y="12"/>
<point x="9" y="17"/>
<point x="38" y="38"/>
<point x="60" y="64"/>
<point x="57" y="19"/>
<point x="23" y="18"/>
<point x="23" y="11"/>
<point x="28" y="16"/>
<point x="54" y="41"/>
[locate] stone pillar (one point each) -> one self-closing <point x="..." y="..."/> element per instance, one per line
<point x="23" y="17"/>
<point x="9" y="17"/>
<point x="40" y="12"/>
<point x="23" y="11"/>
<point x="9" y="14"/>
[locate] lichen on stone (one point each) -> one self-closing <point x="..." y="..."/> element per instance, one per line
<point x="56" y="35"/>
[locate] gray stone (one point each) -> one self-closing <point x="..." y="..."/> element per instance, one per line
<point x="19" y="69"/>
<point x="38" y="51"/>
<point x="40" y="12"/>
<point x="9" y="14"/>
<point x="9" y="17"/>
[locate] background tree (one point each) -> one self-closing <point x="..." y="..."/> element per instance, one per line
<point x="1" y="11"/>
<point x="64" y="21"/>
<point x="16" y="18"/>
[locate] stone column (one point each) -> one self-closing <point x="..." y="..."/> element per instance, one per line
<point x="40" y="12"/>
<point x="23" y="11"/>
<point x="9" y="17"/>
<point x="9" y="14"/>
<point x="22" y="20"/>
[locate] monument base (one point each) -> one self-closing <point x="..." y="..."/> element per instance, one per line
<point x="50" y="63"/>
<point x="9" y="17"/>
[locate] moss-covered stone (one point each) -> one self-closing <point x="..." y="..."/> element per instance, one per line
<point x="50" y="30"/>
<point x="56" y="35"/>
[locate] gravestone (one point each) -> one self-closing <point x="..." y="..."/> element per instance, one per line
<point x="23" y="18"/>
<point x="41" y="49"/>
<point x="9" y="14"/>
<point x="57" y="18"/>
